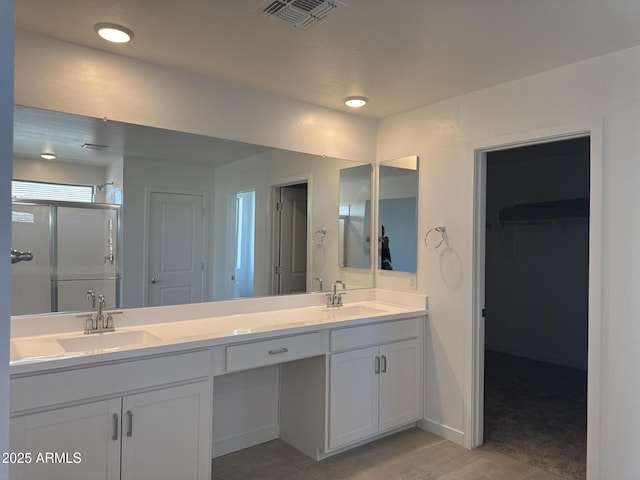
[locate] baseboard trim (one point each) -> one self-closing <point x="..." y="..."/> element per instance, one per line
<point x="444" y="431"/>
<point x="244" y="440"/>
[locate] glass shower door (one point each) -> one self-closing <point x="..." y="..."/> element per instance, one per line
<point x="31" y="281"/>
<point x="86" y="256"/>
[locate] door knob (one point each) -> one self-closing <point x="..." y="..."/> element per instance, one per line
<point x="154" y="281"/>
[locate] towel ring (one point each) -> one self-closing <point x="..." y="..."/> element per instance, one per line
<point x="441" y="231"/>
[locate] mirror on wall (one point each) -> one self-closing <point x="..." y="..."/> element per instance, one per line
<point x="197" y="217"/>
<point x="355" y="217"/>
<point x="397" y="214"/>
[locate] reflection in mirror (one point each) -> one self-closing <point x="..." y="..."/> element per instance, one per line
<point x="397" y="214"/>
<point x="172" y="217"/>
<point x="355" y="217"/>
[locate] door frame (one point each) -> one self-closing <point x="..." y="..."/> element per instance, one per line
<point x="475" y="337"/>
<point x="273" y="225"/>
<point x="148" y="191"/>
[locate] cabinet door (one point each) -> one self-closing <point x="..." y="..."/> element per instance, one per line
<point x="400" y="395"/>
<point x="80" y="442"/>
<point x="166" y="434"/>
<point x="353" y="396"/>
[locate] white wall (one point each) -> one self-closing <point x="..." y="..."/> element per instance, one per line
<point x="57" y="171"/>
<point x="98" y="84"/>
<point x="7" y="15"/>
<point x="444" y="135"/>
<point x="141" y="176"/>
<point x="260" y="173"/>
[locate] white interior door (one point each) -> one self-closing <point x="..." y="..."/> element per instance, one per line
<point x="176" y="249"/>
<point x="292" y="271"/>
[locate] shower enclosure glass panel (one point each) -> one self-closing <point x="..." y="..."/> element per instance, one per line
<point x="31" y="281"/>
<point x="75" y="248"/>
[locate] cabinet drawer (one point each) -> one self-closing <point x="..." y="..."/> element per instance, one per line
<point x="354" y="337"/>
<point x="270" y="352"/>
<point x="46" y="389"/>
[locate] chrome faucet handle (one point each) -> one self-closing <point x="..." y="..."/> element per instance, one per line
<point x="109" y="322"/>
<point x="88" y="326"/>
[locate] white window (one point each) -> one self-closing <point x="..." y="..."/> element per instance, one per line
<point x="51" y="191"/>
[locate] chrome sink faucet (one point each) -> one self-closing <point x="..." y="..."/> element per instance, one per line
<point x="334" y="299"/>
<point x="101" y="323"/>
<point x="102" y="302"/>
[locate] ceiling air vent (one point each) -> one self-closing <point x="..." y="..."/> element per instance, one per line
<point x="301" y="13"/>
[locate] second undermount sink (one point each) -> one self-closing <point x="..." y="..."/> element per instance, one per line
<point x="354" y="311"/>
<point x="109" y="341"/>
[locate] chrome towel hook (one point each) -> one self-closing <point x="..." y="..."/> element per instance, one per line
<point x="441" y="230"/>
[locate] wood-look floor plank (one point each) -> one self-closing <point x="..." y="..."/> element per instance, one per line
<point x="410" y="455"/>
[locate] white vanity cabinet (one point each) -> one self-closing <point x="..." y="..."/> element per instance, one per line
<point x="165" y="433"/>
<point x="376" y="388"/>
<point x="156" y="431"/>
<point x="82" y="433"/>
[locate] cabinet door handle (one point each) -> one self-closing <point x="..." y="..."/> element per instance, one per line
<point x="115" y="427"/>
<point x="377" y="364"/>
<point x="384" y="364"/>
<point x="130" y="429"/>
<point x="278" y="350"/>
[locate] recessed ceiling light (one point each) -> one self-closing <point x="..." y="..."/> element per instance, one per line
<point x="114" y="33"/>
<point x="356" y="102"/>
<point x="48" y="156"/>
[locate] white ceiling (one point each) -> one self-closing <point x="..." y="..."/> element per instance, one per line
<point x="402" y="54"/>
<point x="36" y="131"/>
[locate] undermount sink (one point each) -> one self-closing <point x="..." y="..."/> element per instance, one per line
<point x="109" y="341"/>
<point x="354" y="311"/>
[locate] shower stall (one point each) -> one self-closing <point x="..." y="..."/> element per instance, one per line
<point x="75" y="248"/>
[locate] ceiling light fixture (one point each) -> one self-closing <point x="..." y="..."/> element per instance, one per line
<point x="48" y="156"/>
<point x="356" y="102"/>
<point x="114" y="33"/>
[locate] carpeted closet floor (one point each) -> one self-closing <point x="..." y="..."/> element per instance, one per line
<point x="535" y="412"/>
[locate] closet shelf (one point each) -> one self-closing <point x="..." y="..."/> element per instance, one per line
<point x="575" y="210"/>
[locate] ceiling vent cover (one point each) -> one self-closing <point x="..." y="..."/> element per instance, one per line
<point x="301" y="13"/>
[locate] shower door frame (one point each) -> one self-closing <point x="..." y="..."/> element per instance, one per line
<point x="53" y="241"/>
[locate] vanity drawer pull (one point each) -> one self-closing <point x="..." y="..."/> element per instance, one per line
<point x="273" y="351"/>
<point x="130" y="430"/>
<point x="115" y="427"/>
<point x="276" y="351"/>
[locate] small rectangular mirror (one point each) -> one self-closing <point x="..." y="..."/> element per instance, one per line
<point x="397" y="214"/>
<point x="355" y="217"/>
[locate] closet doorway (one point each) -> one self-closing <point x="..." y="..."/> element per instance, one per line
<point x="290" y="226"/>
<point x="536" y="304"/>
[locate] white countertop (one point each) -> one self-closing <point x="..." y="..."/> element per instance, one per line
<point x="53" y="342"/>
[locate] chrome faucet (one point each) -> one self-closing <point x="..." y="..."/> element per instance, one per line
<point x="102" y="302"/>
<point x="101" y="323"/>
<point x="334" y="299"/>
<point x="319" y="280"/>
<point x="91" y="298"/>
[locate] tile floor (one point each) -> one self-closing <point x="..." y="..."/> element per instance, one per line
<point x="410" y="455"/>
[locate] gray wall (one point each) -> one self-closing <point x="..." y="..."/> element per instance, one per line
<point x="7" y="16"/>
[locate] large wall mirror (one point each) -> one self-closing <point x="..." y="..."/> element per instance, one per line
<point x="170" y="217"/>
<point x="397" y="214"/>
